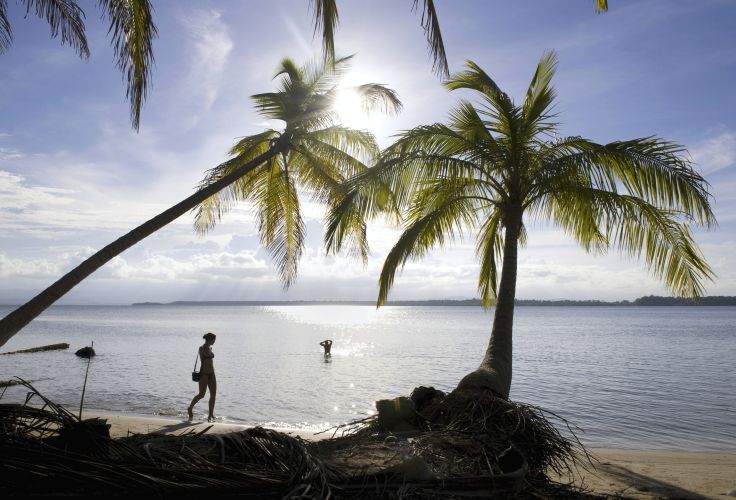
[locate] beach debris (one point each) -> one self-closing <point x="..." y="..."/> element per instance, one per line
<point x="86" y="352"/>
<point x="731" y="493"/>
<point x="424" y="395"/>
<point x="50" y="347"/>
<point x="8" y="383"/>
<point x="464" y="448"/>
<point x="398" y="414"/>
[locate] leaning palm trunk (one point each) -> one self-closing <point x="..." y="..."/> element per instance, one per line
<point x="494" y="372"/>
<point x="16" y="320"/>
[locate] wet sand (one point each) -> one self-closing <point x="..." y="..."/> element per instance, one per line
<point x="122" y="425"/>
<point x="629" y="473"/>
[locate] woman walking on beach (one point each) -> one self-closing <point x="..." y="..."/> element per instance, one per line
<point x="206" y="376"/>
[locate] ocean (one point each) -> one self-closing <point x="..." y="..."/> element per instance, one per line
<point x="658" y="378"/>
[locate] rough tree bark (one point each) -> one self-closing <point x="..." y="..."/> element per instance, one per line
<point x="494" y="372"/>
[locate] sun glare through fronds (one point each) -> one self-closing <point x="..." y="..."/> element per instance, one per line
<point x="352" y="113"/>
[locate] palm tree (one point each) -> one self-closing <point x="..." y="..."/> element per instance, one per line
<point x="311" y="150"/>
<point x="326" y="18"/>
<point x="497" y="164"/>
<point x="131" y="28"/>
<point x="321" y="155"/>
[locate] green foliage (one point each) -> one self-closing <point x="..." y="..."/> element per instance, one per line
<point x="319" y="157"/>
<point x="495" y="164"/>
<point x="131" y="28"/>
<point x="65" y="17"/>
<point x="133" y="32"/>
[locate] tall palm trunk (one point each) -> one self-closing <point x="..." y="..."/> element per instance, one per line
<point x="494" y="372"/>
<point x="16" y="320"/>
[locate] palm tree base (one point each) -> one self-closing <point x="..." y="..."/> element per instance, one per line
<point x="484" y="380"/>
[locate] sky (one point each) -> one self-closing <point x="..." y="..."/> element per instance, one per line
<point x="74" y="176"/>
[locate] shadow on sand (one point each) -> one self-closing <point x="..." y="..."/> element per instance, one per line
<point x="646" y="484"/>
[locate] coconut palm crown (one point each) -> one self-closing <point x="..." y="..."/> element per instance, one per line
<point x="496" y="165"/>
<point x="319" y="155"/>
<point x="312" y="150"/>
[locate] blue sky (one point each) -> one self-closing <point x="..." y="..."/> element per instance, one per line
<point x="74" y="176"/>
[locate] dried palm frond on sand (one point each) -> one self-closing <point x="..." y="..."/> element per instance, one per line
<point x="457" y="448"/>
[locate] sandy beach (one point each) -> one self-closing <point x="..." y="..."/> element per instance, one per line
<point x="661" y="474"/>
<point x="630" y="473"/>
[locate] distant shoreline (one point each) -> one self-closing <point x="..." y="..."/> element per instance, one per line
<point x="650" y="300"/>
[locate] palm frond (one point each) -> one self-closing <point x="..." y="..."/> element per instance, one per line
<point x="290" y="70"/>
<point x="428" y="152"/>
<point x="6" y="31"/>
<point x="378" y="97"/>
<point x="326" y="18"/>
<point x="367" y="196"/>
<point x="271" y="105"/>
<point x="316" y="175"/>
<point x="570" y="208"/>
<point x="489" y="249"/>
<point x="658" y="170"/>
<point x="539" y="97"/>
<point x="345" y="224"/>
<point x="650" y="168"/>
<point x="431" y="26"/>
<point x="601" y="6"/>
<point x="64" y="17"/>
<point x="345" y="142"/>
<point x="133" y="31"/>
<point x="439" y="215"/>
<point x="279" y="220"/>
<point x="474" y="78"/>
<point x="480" y="144"/>
<point x="210" y="212"/>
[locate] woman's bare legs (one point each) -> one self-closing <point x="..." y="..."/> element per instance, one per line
<point x="212" y="385"/>
<point x="202" y="389"/>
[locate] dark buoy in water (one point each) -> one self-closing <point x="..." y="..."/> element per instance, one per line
<point x="85" y="352"/>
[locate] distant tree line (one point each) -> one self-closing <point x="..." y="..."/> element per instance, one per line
<point x="651" y="300"/>
<point x="715" y="300"/>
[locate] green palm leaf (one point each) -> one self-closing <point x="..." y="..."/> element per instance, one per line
<point x="64" y="17"/>
<point x="133" y="31"/>
<point x="279" y="219"/>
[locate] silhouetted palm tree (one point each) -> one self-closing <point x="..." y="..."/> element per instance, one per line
<point x="131" y="28"/>
<point x="497" y="164"/>
<point x="311" y="150"/>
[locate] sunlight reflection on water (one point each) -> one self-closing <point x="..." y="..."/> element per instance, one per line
<point x="331" y="315"/>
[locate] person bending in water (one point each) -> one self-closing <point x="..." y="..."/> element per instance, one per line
<point x="327" y="344"/>
<point x="206" y="376"/>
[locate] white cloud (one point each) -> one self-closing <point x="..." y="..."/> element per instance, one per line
<point x="43" y="268"/>
<point x="211" y="46"/>
<point x="715" y="153"/>
<point x="17" y="198"/>
<point x="9" y="154"/>
<point x="200" y="268"/>
<point x="44" y="211"/>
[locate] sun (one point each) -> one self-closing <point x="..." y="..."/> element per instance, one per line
<point x="351" y="113"/>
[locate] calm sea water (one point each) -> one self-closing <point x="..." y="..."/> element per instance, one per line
<point x="644" y="378"/>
